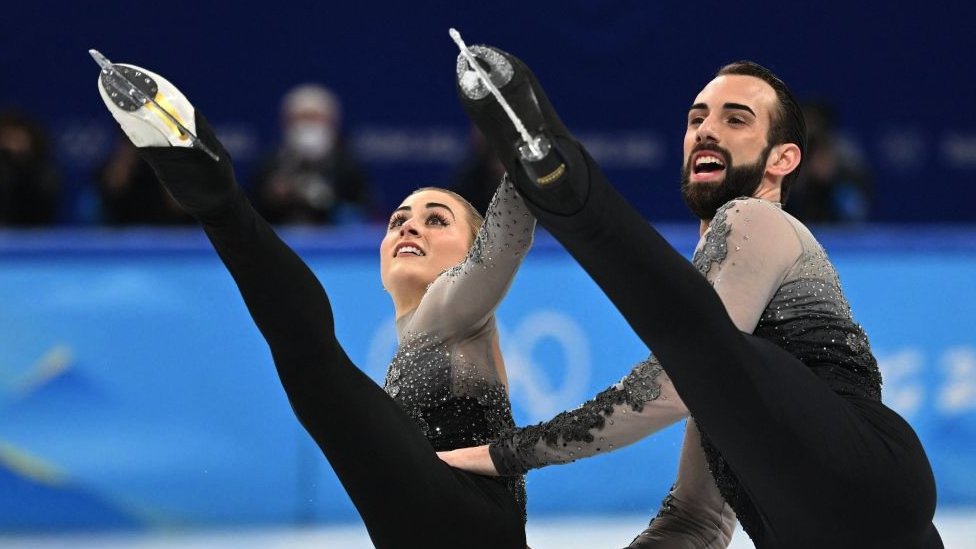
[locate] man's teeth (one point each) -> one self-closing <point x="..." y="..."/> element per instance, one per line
<point x="708" y="163"/>
<point x="707" y="159"/>
<point x="410" y="250"/>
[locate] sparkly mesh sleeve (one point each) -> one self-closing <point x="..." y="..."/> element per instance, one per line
<point x="464" y="297"/>
<point x="693" y="515"/>
<point x="643" y="402"/>
<point x="746" y="253"/>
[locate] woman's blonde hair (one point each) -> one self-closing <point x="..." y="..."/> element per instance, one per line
<point x="475" y="219"/>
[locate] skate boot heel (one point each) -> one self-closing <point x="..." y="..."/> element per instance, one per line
<point x="546" y="165"/>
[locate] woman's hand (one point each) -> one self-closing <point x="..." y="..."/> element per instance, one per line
<point x="474" y="459"/>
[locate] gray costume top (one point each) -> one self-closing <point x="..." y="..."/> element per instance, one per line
<point x="447" y="371"/>
<point x="775" y="281"/>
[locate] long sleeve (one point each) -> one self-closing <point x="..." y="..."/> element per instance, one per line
<point x="465" y="296"/>
<point x="644" y="402"/>
<point x="745" y="254"/>
<point x="693" y="515"/>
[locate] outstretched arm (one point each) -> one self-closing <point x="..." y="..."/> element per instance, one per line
<point x="465" y="296"/>
<point x="642" y="403"/>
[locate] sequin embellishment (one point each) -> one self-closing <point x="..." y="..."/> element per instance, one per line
<point x="444" y="374"/>
<point x="519" y="449"/>
<point x="809" y="317"/>
<point x="715" y="248"/>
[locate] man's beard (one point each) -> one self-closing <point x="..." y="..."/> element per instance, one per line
<point x="705" y="198"/>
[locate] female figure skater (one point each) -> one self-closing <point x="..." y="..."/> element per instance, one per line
<point x="791" y="421"/>
<point x="446" y="386"/>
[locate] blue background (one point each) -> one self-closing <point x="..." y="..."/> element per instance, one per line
<point x="136" y="393"/>
<point x="622" y="74"/>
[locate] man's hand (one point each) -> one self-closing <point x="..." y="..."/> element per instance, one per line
<point x="474" y="459"/>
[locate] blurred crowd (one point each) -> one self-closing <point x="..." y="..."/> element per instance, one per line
<point x="312" y="176"/>
<point x="835" y="184"/>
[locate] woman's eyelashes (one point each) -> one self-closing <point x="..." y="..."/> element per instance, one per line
<point x="434" y="218"/>
<point x="397" y="220"/>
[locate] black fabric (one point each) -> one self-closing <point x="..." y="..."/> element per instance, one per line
<point x="406" y="496"/>
<point x="527" y="98"/>
<point x="816" y="469"/>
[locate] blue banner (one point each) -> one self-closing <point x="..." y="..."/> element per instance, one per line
<point x="136" y="393"/>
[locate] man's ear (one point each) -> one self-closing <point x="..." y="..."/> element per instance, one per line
<point x="783" y="159"/>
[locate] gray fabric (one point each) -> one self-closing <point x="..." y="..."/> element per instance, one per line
<point x="448" y="373"/>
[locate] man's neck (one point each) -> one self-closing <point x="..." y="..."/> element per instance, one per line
<point x="770" y="193"/>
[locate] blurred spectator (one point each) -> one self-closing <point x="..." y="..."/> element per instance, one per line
<point x="30" y="184"/>
<point x="312" y="177"/>
<point x="130" y="193"/>
<point x="835" y="184"/>
<point x="479" y="173"/>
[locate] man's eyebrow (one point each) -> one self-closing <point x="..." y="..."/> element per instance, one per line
<point x="738" y="107"/>
<point x="727" y="106"/>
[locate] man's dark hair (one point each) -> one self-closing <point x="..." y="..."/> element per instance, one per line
<point x="786" y="123"/>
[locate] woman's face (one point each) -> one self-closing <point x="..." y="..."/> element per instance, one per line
<point x="429" y="233"/>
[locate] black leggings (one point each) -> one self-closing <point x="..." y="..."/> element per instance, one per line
<point x="405" y="494"/>
<point x="822" y="469"/>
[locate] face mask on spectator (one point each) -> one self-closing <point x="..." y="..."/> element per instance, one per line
<point x="311" y="140"/>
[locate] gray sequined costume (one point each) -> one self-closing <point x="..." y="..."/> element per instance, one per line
<point x="445" y="373"/>
<point x="776" y="282"/>
<point x="754" y="253"/>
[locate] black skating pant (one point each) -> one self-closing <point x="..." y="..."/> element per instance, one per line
<point x="406" y="496"/>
